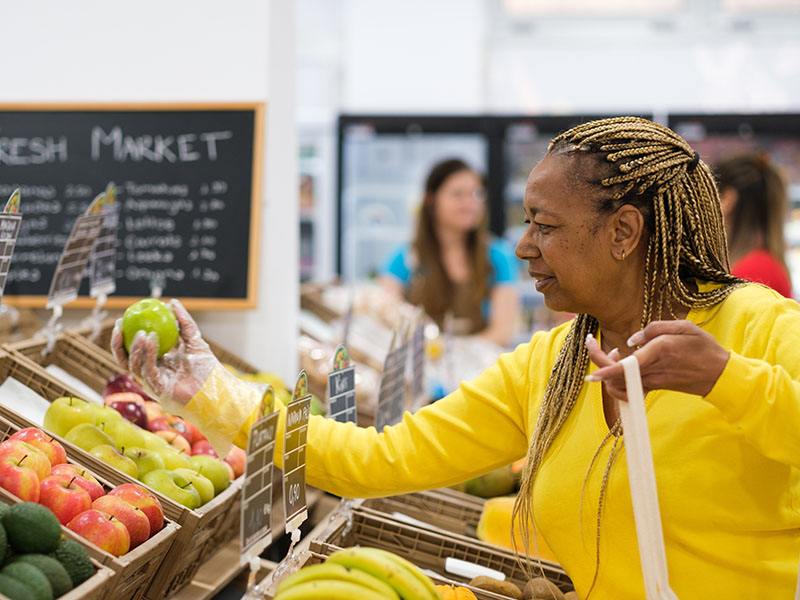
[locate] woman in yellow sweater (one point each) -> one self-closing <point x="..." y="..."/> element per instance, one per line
<point x="625" y="230"/>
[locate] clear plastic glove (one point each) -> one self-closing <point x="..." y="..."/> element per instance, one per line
<point x="189" y="380"/>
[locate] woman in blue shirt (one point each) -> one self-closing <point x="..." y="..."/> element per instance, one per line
<point x="452" y="266"/>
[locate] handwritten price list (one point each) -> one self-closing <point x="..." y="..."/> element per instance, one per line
<point x="294" y="462"/>
<point x="256" y="527"/>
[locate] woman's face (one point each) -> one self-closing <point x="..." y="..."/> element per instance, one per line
<point x="567" y="243"/>
<point x="459" y="202"/>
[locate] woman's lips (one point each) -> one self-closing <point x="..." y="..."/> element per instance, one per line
<point x="542" y="280"/>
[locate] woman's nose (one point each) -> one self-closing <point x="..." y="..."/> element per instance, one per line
<point x="526" y="248"/>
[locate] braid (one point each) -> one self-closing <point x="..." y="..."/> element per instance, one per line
<point x="651" y="167"/>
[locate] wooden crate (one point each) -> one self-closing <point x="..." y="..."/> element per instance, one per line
<point x="429" y="549"/>
<point x="103" y="342"/>
<point x="99" y="586"/>
<point x="202" y="531"/>
<point x="133" y="570"/>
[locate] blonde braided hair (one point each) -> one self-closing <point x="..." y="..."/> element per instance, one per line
<point x="652" y="168"/>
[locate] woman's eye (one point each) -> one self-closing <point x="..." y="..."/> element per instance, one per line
<point x="542" y="227"/>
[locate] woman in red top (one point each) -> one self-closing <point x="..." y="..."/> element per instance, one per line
<point x="754" y="204"/>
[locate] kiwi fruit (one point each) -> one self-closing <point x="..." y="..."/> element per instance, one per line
<point x="490" y="584"/>
<point x="571" y="596"/>
<point x="540" y="588"/>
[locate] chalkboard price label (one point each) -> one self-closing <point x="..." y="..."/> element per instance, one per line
<point x="255" y="532"/>
<point x="10" y="220"/>
<point x="391" y="397"/>
<point x="72" y="263"/>
<point x="342" y="387"/>
<point x="418" y="362"/>
<point x="294" y="454"/>
<point x="103" y="259"/>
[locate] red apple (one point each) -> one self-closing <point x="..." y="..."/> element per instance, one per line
<point x="231" y="474"/>
<point x="135" y="521"/>
<point x="33" y="457"/>
<point x="103" y="530"/>
<point x="237" y="458"/>
<point x="175" y="439"/>
<point x="83" y="479"/>
<point x="47" y="444"/>
<point x="195" y="434"/>
<point x="143" y="499"/>
<point x="19" y="479"/>
<point x="172" y="423"/>
<point x="64" y="497"/>
<point x="203" y="447"/>
<point x="132" y="411"/>
<point x="124" y="382"/>
<point x="154" y="410"/>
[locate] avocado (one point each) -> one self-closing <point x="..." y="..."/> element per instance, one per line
<point x="13" y="589"/>
<point x="75" y="560"/>
<point x="56" y="573"/>
<point x="32" y="578"/>
<point x="3" y="543"/>
<point x="32" y="528"/>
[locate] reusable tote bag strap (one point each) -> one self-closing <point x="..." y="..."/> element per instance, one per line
<point x="644" y="494"/>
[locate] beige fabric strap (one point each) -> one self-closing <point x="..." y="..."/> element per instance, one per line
<point x="644" y="494"/>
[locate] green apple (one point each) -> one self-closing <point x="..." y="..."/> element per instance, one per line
<point x="146" y="460"/>
<point x="150" y="315"/>
<point x="104" y="413"/>
<point x="109" y="454"/>
<point x="202" y="484"/>
<point x="153" y="441"/>
<point x="212" y="468"/>
<point x="173" y="459"/>
<point x="65" y="413"/>
<point x="173" y="486"/>
<point x="125" y="434"/>
<point x="87" y="436"/>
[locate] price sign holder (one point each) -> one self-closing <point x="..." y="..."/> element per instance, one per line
<point x="103" y="261"/>
<point x="10" y="221"/>
<point x="391" y="397"/>
<point x="255" y="531"/>
<point x="342" y="408"/>
<point x="294" y="471"/>
<point x="418" y="365"/>
<point x="71" y="265"/>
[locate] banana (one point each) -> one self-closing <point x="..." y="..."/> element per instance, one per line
<point x="414" y="569"/>
<point x="378" y="565"/>
<point x="335" y="572"/>
<point x="328" y="590"/>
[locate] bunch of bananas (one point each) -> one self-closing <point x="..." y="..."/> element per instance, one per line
<point x="359" y="573"/>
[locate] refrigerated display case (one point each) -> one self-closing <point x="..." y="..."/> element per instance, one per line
<point x="717" y="136"/>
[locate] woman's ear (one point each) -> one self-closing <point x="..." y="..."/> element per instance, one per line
<point x="727" y="200"/>
<point x="627" y="231"/>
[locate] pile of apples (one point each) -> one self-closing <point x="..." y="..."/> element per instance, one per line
<point x="135" y="435"/>
<point x="34" y="467"/>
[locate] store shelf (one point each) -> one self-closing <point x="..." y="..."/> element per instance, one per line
<point x="215" y="574"/>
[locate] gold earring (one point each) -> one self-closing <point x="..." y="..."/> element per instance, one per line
<point x="623" y="255"/>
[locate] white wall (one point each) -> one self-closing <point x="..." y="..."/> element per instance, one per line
<point x="182" y="50"/>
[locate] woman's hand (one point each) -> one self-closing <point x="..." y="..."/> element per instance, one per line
<point x="672" y="355"/>
<point x="181" y="372"/>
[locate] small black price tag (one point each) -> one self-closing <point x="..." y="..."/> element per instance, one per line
<point x="294" y="455"/>
<point x="103" y="259"/>
<point x="255" y="532"/>
<point x="72" y="262"/>
<point x="10" y="220"/>
<point x="392" y="394"/>
<point x="342" y="388"/>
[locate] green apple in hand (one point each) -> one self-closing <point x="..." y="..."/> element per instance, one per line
<point x="173" y="486"/>
<point x="173" y="459"/>
<point x="146" y="460"/>
<point x="104" y="413"/>
<point x="202" y="484"/>
<point x="213" y="469"/>
<point x="125" y="434"/>
<point x="65" y="413"/>
<point x="150" y="315"/>
<point x="87" y="436"/>
<point x="109" y="454"/>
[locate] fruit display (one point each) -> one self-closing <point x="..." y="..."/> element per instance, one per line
<point x="73" y="496"/>
<point x="36" y="562"/>
<point x="151" y="316"/>
<point x="359" y="572"/>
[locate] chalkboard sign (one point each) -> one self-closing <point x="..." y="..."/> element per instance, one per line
<point x="188" y="193"/>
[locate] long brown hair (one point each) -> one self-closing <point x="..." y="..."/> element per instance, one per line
<point x="761" y="203"/>
<point x="431" y="286"/>
<point x="628" y="160"/>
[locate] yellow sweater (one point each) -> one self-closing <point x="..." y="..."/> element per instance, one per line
<point x="726" y="465"/>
